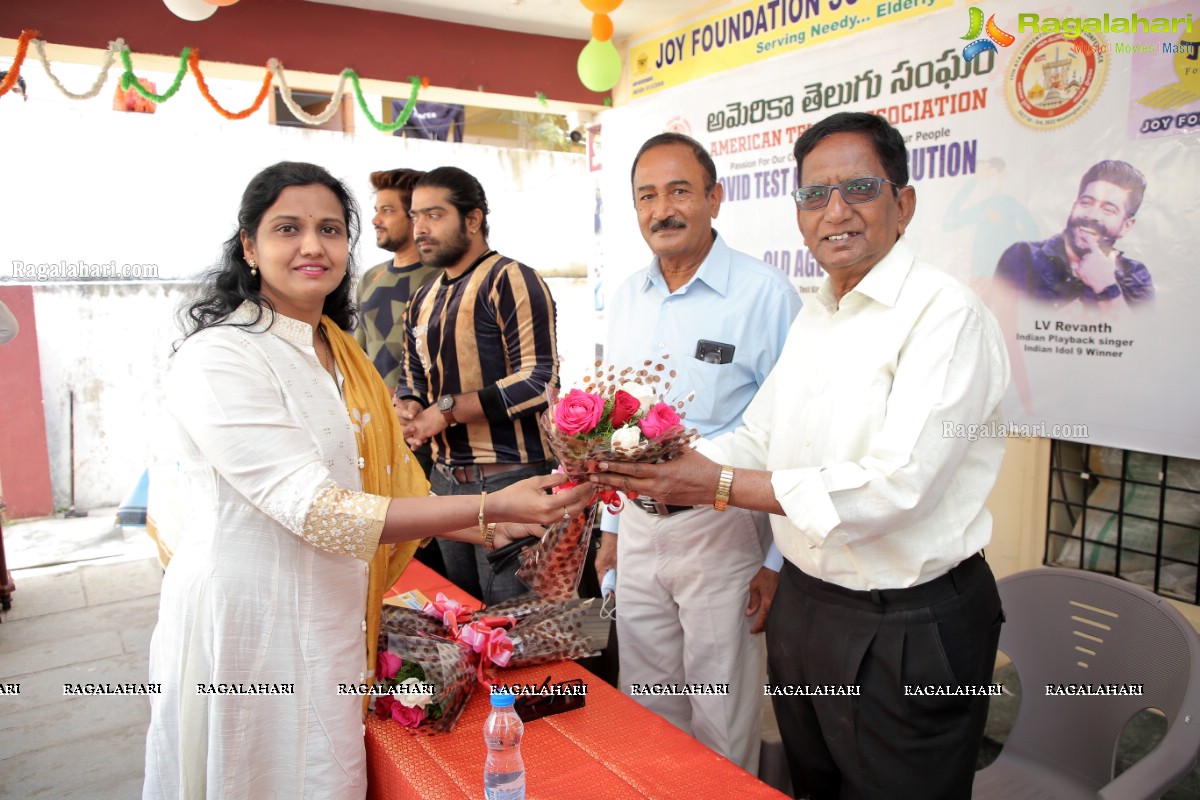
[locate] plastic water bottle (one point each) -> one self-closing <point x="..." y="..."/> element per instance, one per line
<point x="504" y="772"/>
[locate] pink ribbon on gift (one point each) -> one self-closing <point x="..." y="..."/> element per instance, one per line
<point x="451" y="612"/>
<point x="491" y="643"/>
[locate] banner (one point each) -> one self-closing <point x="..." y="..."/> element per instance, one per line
<point x="1092" y="281"/>
<point x="752" y="32"/>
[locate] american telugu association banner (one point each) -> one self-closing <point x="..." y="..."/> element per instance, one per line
<point x="1055" y="154"/>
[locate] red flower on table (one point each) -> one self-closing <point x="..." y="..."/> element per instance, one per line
<point x="387" y="665"/>
<point x="408" y="716"/>
<point x="578" y="412"/>
<point x="384" y="705"/>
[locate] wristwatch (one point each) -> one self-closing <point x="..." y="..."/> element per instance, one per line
<point x="445" y="404"/>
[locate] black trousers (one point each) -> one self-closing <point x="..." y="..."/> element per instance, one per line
<point x="884" y="742"/>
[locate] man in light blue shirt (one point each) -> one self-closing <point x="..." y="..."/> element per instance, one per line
<point x="692" y="585"/>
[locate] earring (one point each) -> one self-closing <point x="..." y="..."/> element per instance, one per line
<point x="253" y="268"/>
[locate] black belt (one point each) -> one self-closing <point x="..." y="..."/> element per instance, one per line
<point x="657" y="509"/>
<point x="925" y="594"/>
<point x="475" y="473"/>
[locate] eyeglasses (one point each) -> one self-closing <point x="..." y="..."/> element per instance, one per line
<point x="854" y="191"/>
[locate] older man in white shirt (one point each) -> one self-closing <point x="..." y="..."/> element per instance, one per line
<point x="878" y="512"/>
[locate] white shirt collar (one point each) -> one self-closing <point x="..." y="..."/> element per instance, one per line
<point x="713" y="271"/>
<point x="282" y="326"/>
<point x="882" y="283"/>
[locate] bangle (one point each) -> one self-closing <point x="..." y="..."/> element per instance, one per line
<point x="487" y="530"/>
<point x="724" y="485"/>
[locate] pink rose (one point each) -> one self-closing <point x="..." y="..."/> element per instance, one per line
<point x="625" y="406"/>
<point x="384" y="705"/>
<point x="660" y="419"/>
<point x="408" y="716"/>
<point x="578" y="412"/>
<point x="387" y="665"/>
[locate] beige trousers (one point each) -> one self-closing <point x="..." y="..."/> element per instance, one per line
<point x="682" y="589"/>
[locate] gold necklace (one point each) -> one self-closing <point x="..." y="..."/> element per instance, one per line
<point x="325" y="353"/>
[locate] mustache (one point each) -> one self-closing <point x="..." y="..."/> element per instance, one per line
<point x="1088" y="225"/>
<point x="425" y="240"/>
<point x="667" y="224"/>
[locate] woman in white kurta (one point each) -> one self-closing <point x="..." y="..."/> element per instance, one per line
<point x="263" y="607"/>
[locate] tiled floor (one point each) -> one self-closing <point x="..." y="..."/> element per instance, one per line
<point x="87" y="622"/>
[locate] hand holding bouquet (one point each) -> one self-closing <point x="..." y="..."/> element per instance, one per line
<point x="615" y="417"/>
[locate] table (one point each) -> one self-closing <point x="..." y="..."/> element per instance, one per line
<point x="610" y="749"/>
<point x="418" y="576"/>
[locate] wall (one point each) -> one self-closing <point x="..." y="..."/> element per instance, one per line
<point x="24" y="469"/>
<point x="322" y="38"/>
<point x="105" y="344"/>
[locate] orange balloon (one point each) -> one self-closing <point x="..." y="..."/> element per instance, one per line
<point x="601" y="6"/>
<point x="602" y="27"/>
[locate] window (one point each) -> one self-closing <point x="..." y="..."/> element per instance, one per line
<point x="314" y="103"/>
<point x="1129" y="514"/>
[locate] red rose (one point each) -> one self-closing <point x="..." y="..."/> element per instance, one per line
<point x="625" y="406"/>
<point x="383" y="706"/>
<point x="578" y="412"/>
<point x="387" y="665"/>
<point x="408" y="716"/>
<point x="660" y="419"/>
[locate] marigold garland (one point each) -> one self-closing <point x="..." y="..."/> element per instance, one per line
<point x="194" y="64"/>
<point x="189" y="59"/>
<point x="114" y="47"/>
<point x="130" y="81"/>
<point x="299" y="113"/>
<point x="404" y="115"/>
<point x="14" y="72"/>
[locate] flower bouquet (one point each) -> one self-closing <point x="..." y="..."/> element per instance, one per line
<point x="617" y="416"/>
<point x="431" y="660"/>
<point x="423" y="681"/>
<point x="545" y="631"/>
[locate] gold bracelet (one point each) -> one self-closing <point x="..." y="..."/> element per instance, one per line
<point x="489" y="538"/>
<point x="482" y="522"/>
<point x="724" y="486"/>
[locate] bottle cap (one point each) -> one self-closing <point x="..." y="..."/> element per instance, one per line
<point x="503" y="699"/>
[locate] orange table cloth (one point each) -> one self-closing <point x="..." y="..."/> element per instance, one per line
<point x="418" y="576"/>
<point x="610" y="749"/>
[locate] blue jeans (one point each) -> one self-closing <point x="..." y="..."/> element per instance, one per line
<point x="466" y="564"/>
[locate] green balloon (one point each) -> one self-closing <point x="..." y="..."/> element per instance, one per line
<point x="599" y="65"/>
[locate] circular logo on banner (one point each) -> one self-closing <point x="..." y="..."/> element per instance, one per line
<point x="679" y="124"/>
<point x="1053" y="80"/>
<point x="641" y="63"/>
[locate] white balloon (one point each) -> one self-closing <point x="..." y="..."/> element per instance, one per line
<point x="191" y="10"/>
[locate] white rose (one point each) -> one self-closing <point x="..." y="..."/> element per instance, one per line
<point x="643" y="393"/>
<point x="626" y="440"/>
<point x="415" y="695"/>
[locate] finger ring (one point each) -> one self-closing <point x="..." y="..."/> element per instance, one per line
<point x="566" y="514"/>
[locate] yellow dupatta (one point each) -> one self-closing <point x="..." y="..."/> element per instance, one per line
<point x="389" y="468"/>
